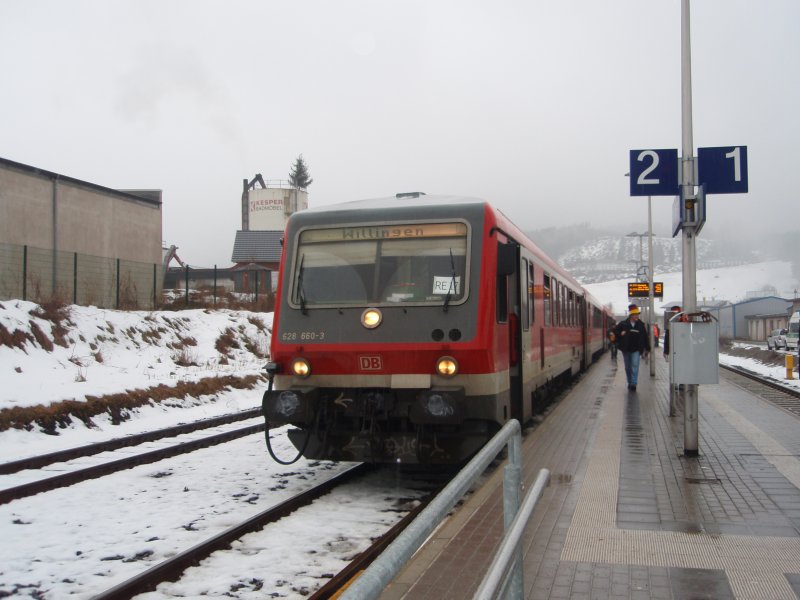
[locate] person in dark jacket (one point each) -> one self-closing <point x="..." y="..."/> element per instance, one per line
<point x="612" y="342"/>
<point x="633" y="341"/>
<point x="672" y="312"/>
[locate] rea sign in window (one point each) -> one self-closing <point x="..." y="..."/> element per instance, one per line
<point x="641" y="289"/>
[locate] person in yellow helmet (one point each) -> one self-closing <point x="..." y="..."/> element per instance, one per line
<point x="634" y="343"/>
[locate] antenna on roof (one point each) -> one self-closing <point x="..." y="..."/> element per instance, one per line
<point x="409" y="195"/>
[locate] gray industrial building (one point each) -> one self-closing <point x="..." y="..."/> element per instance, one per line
<point x="75" y="241"/>
<point x="733" y="318"/>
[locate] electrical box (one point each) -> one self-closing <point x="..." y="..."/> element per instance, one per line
<point x="694" y="348"/>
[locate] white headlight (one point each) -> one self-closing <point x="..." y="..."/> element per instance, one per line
<point x="371" y="318"/>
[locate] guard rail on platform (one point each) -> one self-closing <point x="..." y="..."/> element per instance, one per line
<point x="381" y="572"/>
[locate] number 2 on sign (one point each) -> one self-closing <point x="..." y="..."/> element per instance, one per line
<point x="642" y="179"/>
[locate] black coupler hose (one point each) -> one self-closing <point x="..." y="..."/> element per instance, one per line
<point x="266" y="432"/>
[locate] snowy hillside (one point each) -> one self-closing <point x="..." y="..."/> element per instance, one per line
<point x="613" y="257"/>
<point x="75" y="353"/>
<point x="713" y="285"/>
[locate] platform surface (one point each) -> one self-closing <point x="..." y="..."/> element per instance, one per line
<point x="626" y="514"/>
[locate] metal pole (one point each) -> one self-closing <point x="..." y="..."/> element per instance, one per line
<point x="25" y="272"/>
<point x="155" y="288"/>
<point x="652" y="284"/>
<point x="116" y="300"/>
<point x="690" y="434"/>
<point x="54" y="273"/>
<point x="511" y="488"/>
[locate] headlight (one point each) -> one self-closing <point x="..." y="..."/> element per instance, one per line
<point x="371" y="318"/>
<point x="447" y="366"/>
<point x="300" y="367"/>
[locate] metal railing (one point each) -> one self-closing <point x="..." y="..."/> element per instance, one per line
<point x="381" y="572"/>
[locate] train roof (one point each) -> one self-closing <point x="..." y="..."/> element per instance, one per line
<point x="399" y="201"/>
<point x="433" y="201"/>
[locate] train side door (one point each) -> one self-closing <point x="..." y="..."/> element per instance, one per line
<point x="509" y="285"/>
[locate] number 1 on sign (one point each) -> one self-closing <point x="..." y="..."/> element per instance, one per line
<point x="736" y="155"/>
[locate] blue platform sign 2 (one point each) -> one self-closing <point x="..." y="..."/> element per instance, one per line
<point x="723" y="170"/>
<point x="654" y="172"/>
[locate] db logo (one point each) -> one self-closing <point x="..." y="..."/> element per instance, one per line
<point x="370" y="363"/>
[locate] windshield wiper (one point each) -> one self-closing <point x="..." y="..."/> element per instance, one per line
<point x="452" y="285"/>
<point x="301" y="296"/>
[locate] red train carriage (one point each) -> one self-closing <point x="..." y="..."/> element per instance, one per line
<point x="410" y="329"/>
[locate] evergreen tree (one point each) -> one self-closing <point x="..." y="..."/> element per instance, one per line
<point x="298" y="176"/>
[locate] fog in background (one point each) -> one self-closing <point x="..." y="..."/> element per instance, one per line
<point x="531" y="105"/>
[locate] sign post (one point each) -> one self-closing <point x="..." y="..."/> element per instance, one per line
<point x="690" y="433"/>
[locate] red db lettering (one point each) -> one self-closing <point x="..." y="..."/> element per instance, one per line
<point x="370" y="363"/>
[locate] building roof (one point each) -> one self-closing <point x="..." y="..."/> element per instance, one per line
<point x="257" y="246"/>
<point x="152" y="197"/>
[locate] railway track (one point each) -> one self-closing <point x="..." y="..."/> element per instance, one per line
<point x="106" y="468"/>
<point x="172" y="569"/>
<point x="37" y="462"/>
<point x="781" y="396"/>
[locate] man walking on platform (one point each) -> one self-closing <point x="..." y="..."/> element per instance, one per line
<point x="633" y="341"/>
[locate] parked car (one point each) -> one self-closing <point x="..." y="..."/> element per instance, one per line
<point x="794" y="331"/>
<point x="777" y="339"/>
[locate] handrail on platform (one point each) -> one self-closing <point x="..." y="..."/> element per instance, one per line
<point x="381" y="572"/>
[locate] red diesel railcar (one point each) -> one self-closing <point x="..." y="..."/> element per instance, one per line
<point x="409" y="329"/>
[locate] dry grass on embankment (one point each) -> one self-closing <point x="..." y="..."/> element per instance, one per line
<point x="58" y="415"/>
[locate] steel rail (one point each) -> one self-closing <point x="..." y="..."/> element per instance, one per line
<point x="93" y="472"/>
<point x="37" y="462"/>
<point x="790" y="404"/>
<point x="339" y="581"/>
<point x="171" y="569"/>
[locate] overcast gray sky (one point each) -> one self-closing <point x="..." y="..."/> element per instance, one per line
<point x="532" y="105"/>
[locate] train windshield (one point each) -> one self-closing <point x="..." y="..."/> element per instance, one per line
<point x="417" y="263"/>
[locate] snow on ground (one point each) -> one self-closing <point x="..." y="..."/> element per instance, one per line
<point x="775" y="372"/>
<point x="729" y="283"/>
<point x="108" y="351"/>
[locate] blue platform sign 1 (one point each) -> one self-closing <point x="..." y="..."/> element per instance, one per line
<point x="654" y="172"/>
<point x="723" y="170"/>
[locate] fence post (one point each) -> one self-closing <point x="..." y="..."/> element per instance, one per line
<point x="155" y="287"/>
<point x="25" y="272"/>
<point x="215" y="285"/>
<point x="187" y="285"/>
<point x="75" y="278"/>
<point x="117" y="306"/>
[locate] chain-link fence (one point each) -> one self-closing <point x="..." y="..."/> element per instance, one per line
<point x="41" y="275"/>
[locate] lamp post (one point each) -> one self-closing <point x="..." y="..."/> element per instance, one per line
<point x="652" y="286"/>
<point x="641" y="258"/>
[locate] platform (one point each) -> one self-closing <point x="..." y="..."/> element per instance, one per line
<point x="626" y="515"/>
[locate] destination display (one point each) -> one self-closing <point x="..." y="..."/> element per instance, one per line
<point x="641" y="289"/>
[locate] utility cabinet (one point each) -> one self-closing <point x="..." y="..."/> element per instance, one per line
<point x="694" y="348"/>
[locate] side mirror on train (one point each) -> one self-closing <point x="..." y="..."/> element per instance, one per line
<point x="506" y="259"/>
